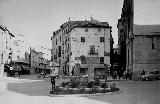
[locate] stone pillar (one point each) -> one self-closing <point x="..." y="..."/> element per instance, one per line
<point x="90" y="73"/>
<point x="77" y="69"/>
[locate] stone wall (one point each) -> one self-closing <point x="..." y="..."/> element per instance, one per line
<point x="146" y="54"/>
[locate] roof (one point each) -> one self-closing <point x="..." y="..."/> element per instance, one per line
<point x="5" y="29"/>
<point x="92" y="23"/>
<point x="73" y="24"/>
<point x="146" y="29"/>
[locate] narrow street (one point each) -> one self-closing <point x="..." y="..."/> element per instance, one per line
<point x="31" y="90"/>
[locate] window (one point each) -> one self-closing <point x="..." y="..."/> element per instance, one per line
<point x="60" y="38"/>
<point x="101" y="60"/>
<point x="82" y="39"/>
<point x="86" y="30"/>
<point x="59" y="51"/>
<point x="101" y="39"/>
<point x="128" y="57"/>
<point x="92" y="49"/>
<point x="152" y="45"/>
<point x="99" y="30"/>
<point x="56" y="41"/>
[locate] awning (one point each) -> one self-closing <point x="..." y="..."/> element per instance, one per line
<point x="21" y="61"/>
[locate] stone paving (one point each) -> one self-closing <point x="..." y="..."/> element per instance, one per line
<point x="33" y="90"/>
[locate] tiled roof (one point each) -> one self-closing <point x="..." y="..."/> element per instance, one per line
<point x="73" y="24"/>
<point x="146" y="29"/>
<point x="84" y="23"/>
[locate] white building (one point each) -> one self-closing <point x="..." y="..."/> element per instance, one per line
<point x="39" y="60"/>
<point x="46" y="51"/>
<point x="21" y="52"/>
<point x="83" y="44"/>
<point x="6" y="43"/>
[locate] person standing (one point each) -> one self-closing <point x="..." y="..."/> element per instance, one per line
<point x="19" y="70"/>
<point x="72" y="71"/>
<point x="8" y="70"/>
<point x="143" y="72"/>
<point x="11" y="70"/>
<point x="53" y="82"/>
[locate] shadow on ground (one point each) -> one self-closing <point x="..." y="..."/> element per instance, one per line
<point x="31" y="85"/>
<point x="34" y="88"/>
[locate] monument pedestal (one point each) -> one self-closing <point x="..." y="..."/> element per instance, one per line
<point x="90" y="73"/>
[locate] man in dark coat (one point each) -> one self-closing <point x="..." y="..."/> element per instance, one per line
<point x="53" y="82"/>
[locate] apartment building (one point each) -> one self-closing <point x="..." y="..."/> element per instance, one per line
<point x="6" y="43"/>
<point x="82" y="47"/>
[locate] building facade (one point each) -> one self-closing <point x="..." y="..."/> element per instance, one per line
<point x="146" y="50"/>
<point x="124" y="26"/>
<point x="38" y="62"/>
<point x="6" y="43"/>
<point x="21" y="52"/>
<point x="140" y="42"/>
<point x="82" y="47"/>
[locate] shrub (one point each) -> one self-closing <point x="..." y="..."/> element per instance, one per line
<point x="113" y="87"/>
<point x="74" y="81"/>
<point x="64" y="84"/>
<point x="57" y="90"/>
<point x="97" y="81"/>
<point x="90" y="84"/>
<point x="84" y="81"/>
<point x="104" y="85"/>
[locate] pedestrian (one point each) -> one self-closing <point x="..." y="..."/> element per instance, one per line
<point x="72" y="71"/>
<point x="19" y="70"/>
<point x="143" y="72"/>
<point x="53" y="82"/>
<point x="8" y="70"/>
<point x="12" y="71"/>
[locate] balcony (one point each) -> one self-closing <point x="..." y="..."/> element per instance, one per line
<point x="93" y="52"/>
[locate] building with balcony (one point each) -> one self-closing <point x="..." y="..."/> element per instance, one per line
<point x="82" y="46"/>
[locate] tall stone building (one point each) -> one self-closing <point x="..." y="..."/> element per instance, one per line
<point x="124" y="26"/>
<point x="146" y="48"/>
<point x="82" y="47"/>
<point x="139" y="42"/>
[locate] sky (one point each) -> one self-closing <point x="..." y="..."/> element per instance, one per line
<point x="37" y="19"/>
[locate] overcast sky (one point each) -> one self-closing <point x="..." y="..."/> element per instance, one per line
<point x="37" y="19"/>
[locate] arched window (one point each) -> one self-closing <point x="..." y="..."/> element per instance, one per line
<point x="92" y="49"/>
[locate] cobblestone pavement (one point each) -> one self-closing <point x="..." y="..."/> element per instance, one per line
<point x="33" y="90"/>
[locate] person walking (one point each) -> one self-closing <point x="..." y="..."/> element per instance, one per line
<point x="53" y="82"/>
<point x="19" y="70"/>
<point x="12" y="71"/>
